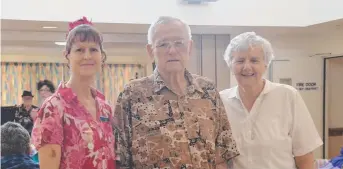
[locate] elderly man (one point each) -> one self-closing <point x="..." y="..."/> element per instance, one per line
<point x="270" y="121"/>
<point x="172" y="118"/>
<point x="15" y="147"/>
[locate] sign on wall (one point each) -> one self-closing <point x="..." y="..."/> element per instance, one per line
<point x="287" y="81"/>
<point x="307" y="86"/>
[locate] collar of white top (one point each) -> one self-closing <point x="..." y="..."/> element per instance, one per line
<point x="268" y="86"/>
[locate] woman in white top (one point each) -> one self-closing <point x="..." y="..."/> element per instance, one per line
<point x="270" y="121"/>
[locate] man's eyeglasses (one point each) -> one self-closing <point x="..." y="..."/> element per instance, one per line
<point x="168" y="44"/>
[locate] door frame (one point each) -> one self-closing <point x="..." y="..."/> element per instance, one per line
<point x="271" y="66"/>
<point x="325" y="127"/>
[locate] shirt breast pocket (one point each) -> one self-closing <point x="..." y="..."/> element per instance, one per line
<point x="201" y="117"/>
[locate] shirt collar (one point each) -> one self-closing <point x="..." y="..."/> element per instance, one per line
<point x="159" y="84"/>
<point x="268" y="86"/>
<point x="24" y="109"/>
<point x="69" y="96"/>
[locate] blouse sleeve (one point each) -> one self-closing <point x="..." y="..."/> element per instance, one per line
<point x="305" y="137"/>
<point x="122" y="130"/>
<point x="48" y="127"/>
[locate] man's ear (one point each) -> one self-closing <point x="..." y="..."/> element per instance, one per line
<point x="66" y="55"/>
<point x="190" y="47"/>
<point x="149" y="49"/>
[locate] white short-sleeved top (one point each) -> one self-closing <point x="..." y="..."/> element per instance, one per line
<point x="278" y="127"/>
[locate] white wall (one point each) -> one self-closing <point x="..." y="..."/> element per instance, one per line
<point x="223" y="12"/>
<point x="325" y="10"/>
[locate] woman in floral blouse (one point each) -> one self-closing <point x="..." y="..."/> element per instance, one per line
<point x="73" y="128"/>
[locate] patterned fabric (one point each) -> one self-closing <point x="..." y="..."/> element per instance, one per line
<point x="85" y="142"/>
<point x="18" y="161"/>
<point x="158" y="129"/>
<point x="17" y="77"/>
<point x="335" y="163"/>
<point x="22" y="116"/>
<point x="321" y="163"/>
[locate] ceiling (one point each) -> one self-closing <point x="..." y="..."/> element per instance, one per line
<point x="18" y="36"/>
<point x="110" y="28"/>
<point x="222" y="12"/>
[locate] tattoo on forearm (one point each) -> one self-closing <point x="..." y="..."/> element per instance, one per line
<point x="53" y="153"/>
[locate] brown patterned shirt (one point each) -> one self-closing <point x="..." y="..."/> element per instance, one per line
<point x="159" y="129"/>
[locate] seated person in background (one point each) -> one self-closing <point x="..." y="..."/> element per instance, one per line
<point x="26" y="113"/>
<point x="45" y="88"/>
<point x="15" y="147"/>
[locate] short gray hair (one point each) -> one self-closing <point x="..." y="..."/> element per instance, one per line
<point x="15" y="139"/>
<point x="244" y="41"/>
<point x="165" y="20"/>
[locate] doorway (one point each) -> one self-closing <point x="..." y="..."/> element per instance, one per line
<point x="333" y="107"/>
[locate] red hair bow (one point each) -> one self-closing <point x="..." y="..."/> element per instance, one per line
<point x="82" y="21"/>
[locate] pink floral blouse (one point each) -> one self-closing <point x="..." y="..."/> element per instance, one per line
<point x="85" y="142"/>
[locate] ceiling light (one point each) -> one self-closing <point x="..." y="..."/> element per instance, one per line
<point x="61" y="43"/>
<point x="49" y="27"/>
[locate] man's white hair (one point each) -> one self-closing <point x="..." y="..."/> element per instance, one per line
<point x="246" y="40"/>
<point x="166" y="20"/>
